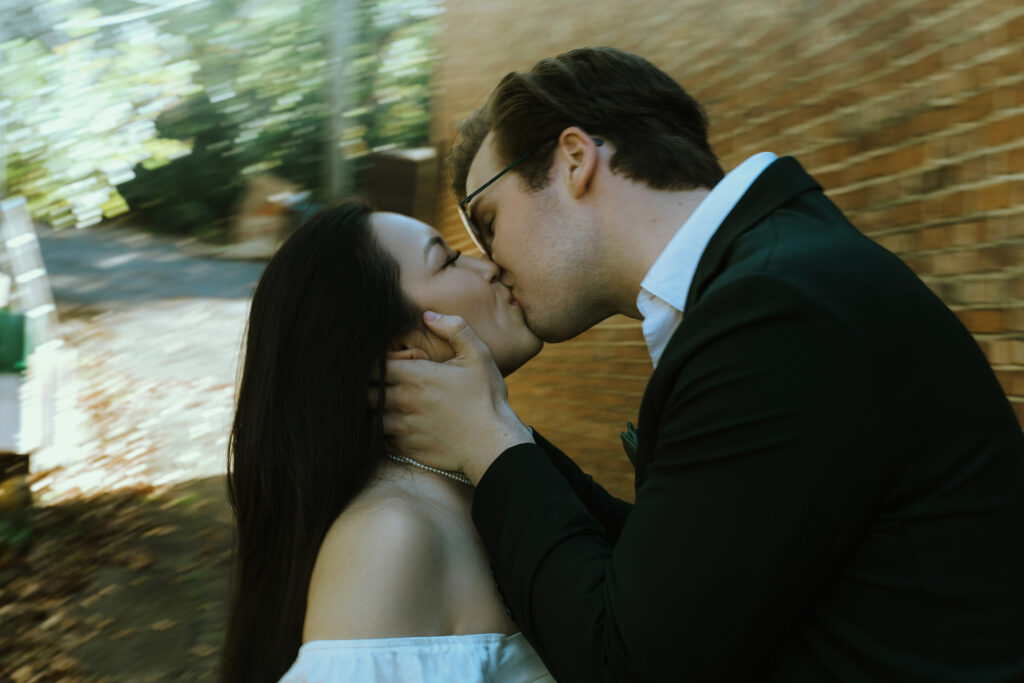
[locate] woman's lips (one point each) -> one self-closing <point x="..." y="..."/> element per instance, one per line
<point x="512" y="301"/>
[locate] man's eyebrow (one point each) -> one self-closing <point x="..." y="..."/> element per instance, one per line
<point x="431" y="243"/>
<point x="471" y="208"/>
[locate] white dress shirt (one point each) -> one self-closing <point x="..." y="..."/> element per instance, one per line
<point x="664" y="289"/>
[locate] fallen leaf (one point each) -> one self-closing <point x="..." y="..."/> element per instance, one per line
<point x="52" y="621"/>
<point x="203" y="650"/>
<point x="22" y="674"/>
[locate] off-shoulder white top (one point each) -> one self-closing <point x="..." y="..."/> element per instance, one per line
<point x="477" y="658"/>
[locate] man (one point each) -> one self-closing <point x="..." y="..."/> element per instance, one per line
<point x="829" y="479"/>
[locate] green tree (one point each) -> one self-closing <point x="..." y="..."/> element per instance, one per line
<point x="206" y="94"/>
<point x="77" y="116"/>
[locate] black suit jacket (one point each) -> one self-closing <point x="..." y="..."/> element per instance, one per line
<point x="829" y="482"/>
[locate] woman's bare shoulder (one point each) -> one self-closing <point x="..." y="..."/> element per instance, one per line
<point x="379" y="574"/>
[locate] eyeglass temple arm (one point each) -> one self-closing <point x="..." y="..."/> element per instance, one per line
<point x="469" y="197"/>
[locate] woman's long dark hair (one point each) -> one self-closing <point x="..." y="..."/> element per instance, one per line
<point x="304" y="440"/>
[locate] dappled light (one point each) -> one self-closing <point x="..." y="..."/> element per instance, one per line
<point x="152" y="156"/>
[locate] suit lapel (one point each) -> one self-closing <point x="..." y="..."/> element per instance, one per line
<point x="783" y="180"/>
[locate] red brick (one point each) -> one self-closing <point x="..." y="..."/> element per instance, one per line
<point x="972" y="43"/>
<point x="972" y="200"/>
<point x="936" y="237"/>
<point x="850" y="201"/>
<point x="921" y="265"/>
<point x="1015" y="30"/>
<point x="1012" y="381"/>
<point x="1006" y="65"/>
<point x="1015" y="319"/>
<point x="1005" y="97"/>
<point x="952" y="204"/>
<point x="939" y="287"/>
<point x="998" y="351"/>
<point x="996" y="257"/>
<point x="996" y="196"/>
<point x="931" y="209"/>
<point x="871" y="221"/>
<point x="928" y="122"/>
<point x="1018" y="408"/>
<point x="983" y="292"/>
<point x="996" y="163"/>
<point x="897" y="243"/>
<point x="1000" y="228"/>
<point x="1008" y="129"/>
<point x="978" y="107"/>
<point x="956" y="262"/>
<point x="907" y="158"/>
<point x="907" y="214"/>
<point x="981" y="320"/>
<point x="966" y="233"/>
<point x="973" y="170"/>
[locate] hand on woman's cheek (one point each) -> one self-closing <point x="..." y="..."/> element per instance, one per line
<point x="424" y="346"/>
<point x="408" y="354"/>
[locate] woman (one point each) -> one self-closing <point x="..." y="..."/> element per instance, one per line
<point x="371" y="563"/>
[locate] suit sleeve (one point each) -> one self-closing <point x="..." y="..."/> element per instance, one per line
<point x="610" y="511"/>
<point x="761" y="475"/>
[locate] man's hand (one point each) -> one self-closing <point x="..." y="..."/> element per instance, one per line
<point x="453" y="415"/>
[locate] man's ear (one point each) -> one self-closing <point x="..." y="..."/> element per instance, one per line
<point x="580" y="157"/>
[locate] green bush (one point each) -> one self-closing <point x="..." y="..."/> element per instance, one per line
<point x="193" y="193"/>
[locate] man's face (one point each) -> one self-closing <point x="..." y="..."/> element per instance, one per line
<point x="540" y="242"/>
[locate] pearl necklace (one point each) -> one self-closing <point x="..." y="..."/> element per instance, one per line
<point x="457" y="476"/>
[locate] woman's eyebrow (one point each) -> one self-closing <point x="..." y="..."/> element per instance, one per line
<point x="431" y="243"/>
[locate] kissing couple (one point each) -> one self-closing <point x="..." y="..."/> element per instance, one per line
<point x="829" y="479"/>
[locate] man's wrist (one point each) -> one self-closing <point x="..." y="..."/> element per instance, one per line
<point x="513" y="433"/>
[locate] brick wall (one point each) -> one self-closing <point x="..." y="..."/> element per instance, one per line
<point x="910" y="114"/>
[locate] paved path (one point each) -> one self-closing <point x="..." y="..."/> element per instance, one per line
<point x="158" y="334"/>
<point x="157" y="331"/>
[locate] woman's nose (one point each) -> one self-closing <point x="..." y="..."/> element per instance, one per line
<point x="486" y="267"/>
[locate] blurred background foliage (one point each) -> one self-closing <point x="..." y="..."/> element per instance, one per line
<point x="166" y="107"/>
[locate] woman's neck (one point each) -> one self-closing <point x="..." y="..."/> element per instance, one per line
<point x="428" y="487"/>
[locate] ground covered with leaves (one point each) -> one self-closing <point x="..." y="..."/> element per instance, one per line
<point x="119" y="570"/>
<point x="110" y="578"/>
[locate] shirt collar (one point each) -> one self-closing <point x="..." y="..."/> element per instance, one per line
<point x="670" y="277"/>
<point x="664" y="289"/>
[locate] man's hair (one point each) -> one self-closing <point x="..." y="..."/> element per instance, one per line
<point x="659" y="131"/>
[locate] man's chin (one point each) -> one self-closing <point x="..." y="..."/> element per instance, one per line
<point x="556" y="332"/>
<point x="507" y="367"/>
<point x="556" y="336"/>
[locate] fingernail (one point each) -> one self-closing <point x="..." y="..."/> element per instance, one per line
<point x="430" y="316"/>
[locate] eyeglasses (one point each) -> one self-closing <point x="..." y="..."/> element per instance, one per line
<point x="482" y="241"/>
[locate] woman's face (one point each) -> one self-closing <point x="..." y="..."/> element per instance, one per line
<point x="438" y="279"/>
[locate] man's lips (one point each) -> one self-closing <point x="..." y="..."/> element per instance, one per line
<point x="511" y="297"/>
